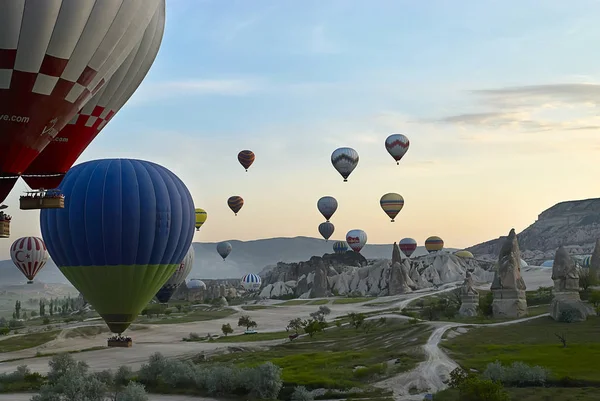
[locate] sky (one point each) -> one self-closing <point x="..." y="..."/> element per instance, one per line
<point x="498" y="98"/>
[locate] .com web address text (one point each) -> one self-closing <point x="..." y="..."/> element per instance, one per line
<point x="13" y="118"/>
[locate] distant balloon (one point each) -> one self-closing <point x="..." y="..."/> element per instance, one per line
<point x="392" y="204"/>
<point x="195" y="284"/>
<point x="235" y="203"/>
<point x="251" y="282"/>
<point x="201" y="217"/>
<point x="585" y="262"/>
<point x="397" y="145"/>
<point x="464" y="254"/>
<point x="344" y="160"/>
<point x="224" y="249"/>
<point x="29" y="254"/>
<point x="434" y="244"/>
<point x="340" y="247"/>
<point x="327" y="205"/>
<point x="356" y="239"/>
<point x="408" y="246"/>
<point x="246" y="158"/>
<point x="185" y="267"/>
<point x="326" y="229"/>
<point x="126" y="227"/>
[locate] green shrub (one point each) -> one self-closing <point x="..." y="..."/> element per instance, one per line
<point x="475" y="389"/>
<point x="518" y="374"/>
<point x="368" y="372"/>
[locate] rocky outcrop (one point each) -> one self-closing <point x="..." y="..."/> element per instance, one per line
<point x="573" y="224"/>
<point x="400" y="280"/>
<point x="469" y="297"/>
<point x="595" y="262"/>
<point x="566" y="305"/>
<point x="508" y="286"/>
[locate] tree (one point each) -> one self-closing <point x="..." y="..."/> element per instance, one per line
<point x="356" y="319"/>
<point x="42" y="308"/>
<point x="226" y="329"/>
<point x="296" y="324"/>
<point x="314" y="326"/>
<point x="475" y="389"/>
<point x="562" y="337"/>
<point x="587" y="279"/>
<point x="321" y="313"/>
<point x="51" y="307"/>
<point x="247" y="322"/>
<point x="24" y="315"/>
<point x="17" y="314"/>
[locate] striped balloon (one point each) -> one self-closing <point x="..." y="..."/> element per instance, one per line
<point x="344" y="160"/>
<point x="251" y="282"/>
<point x="408" y="246"/>
<point x="587" y="261"/>
<point x="235" y="203"/>
<point x="434" y="244"/>
<point x="185" y="267"/>
<point x="246" y="158"/>
<point x="340" y="247"/>
<point x="326" y="229"/>
<point x="392" y="204"/>
<point x="201" y="217"/>
<point x="29" y="254"/>
<point x="397" y="146"/>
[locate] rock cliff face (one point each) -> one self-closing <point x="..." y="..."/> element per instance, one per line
<point x="350" y="273"/>
<point x="574" y="225"/>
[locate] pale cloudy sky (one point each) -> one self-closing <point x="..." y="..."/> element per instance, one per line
<point x="499" y="99"/>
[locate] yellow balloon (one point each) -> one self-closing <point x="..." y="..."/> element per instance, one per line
<point x="392" y="204"/>
<point x="464" y="254"/>
<point x="200" y="218"/>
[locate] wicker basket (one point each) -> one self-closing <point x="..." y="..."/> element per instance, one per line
<point x="4" y="228"/>
<point x="27" y="203"/>
<point x="121" y="344"/>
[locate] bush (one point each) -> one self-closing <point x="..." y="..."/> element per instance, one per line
<point x="518" y="374"/>
<point x="46" y="321"/>
<point x="302" y="394"/>
<point x="485" y="304"/>
<point x="541" y="296"/>
<point x="475" y="389"/>
<point x="133" y="392"/>
<point x="567" y="316"/>
<point x="368" y="372"/>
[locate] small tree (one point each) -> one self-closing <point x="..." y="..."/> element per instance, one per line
<point x="356" y="319"/>
<point x="226" y="329"/>
<point x="295" y="324"/>
<point x="247" y="322"/>
<point x="313" y="326"/>
<point x="562" y="337"/>
<point x="475" y="389"/>
<point x="594" y="298"/>
<point x="17" y="314"/>
<point x="587" y="279"/>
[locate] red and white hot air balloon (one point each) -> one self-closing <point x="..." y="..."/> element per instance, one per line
<point x="29" y="254"/>
<point x="356" y="239"/>
<point x="54" y="56"/>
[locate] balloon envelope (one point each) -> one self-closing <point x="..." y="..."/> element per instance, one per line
<point x="397" y="145"/>
<point x="201" y="217"/>
<point x="344" y="160"/>
<point x="356" y="239"/>
<point x="327" y="205"/>
<point x="224" y="249"/>
<point x="29" y="254"/>
<point x="125" y="228"/>
<point x="392" y="204"/>
<point x="464" y="254"/>
<point x="326" y="229"/>
<point x="340" y="247"/>
<point x="185" y="267"/>
<point x="433" y="244"/>
<point x="235" y="203"/>
<point x="195" y="284"/>
<point x="246" y="158"/>
<point x="251" y="282"/>
<point x="54" y="56"/>
<point x="408" y="246"/>
<point x="49" y="168"/>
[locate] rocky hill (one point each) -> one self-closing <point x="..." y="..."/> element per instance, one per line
<point x="574" y="224"/>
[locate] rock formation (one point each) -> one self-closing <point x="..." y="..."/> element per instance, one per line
<point x="399" y="277"/>
<point x="508" y="286"/>
<point x="566" y="305"/>
<point x="595" y="262"/>
<point x="469" y="297"/>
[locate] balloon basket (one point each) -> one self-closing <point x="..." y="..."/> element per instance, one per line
<point x="30" y="282"/>
<point x="4" y="228"/>
<point x="120" y="343"/>
<point x="41" y="200"/>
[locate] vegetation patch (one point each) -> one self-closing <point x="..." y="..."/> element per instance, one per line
<point x="242" y="338"/>
<point x="294" y="302"/>
<point x="533" y="394"/>
<point x="256" y="307"/>
<point x="193" y="315"/>
<point x="86" y="331"/>
<point x="355" y="300"/>
<point x="319" y="302"/>
<point x="25" y="341"/>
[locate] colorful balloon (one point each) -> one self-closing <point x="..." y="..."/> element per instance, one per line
<point x="29" y="254"/>
<point x="185" y="267"/>
<point x="246" y="158"/>
<point x="392" y="204"/>
<point x="235" y="203"/>
<point x="126" y="227"/>
<point x="408" y="246"/>
<point x="434" y="244"/>
<point x="356" y="239"/>
<point x="586" y="261"/>
<point x="49" y="168"/>
<point x="201" y="217"/>
<point x="224" y="249"/>
<point x="340" y="247"/>
<point x="251" y="282"/>
<point x="464" y="254"/>
<point x="344" y="160"/>
<point x="195" y="284"/>
<point x="54" y="56"/>
<point x="326" y="229"/>
<point x="327" y="205"/>
<point x="397" y="145"/>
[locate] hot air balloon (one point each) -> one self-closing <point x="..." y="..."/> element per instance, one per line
<point x="251" y="282"/>
<point x="224" y="249"/>
<point x="185" y="267"/>
<point x="201" y="217"/>
<point x="408" y="246"/>
<point x="340" y="247"/>
<point x="126" y="227"/>
<point x="54" y="56"/>
<point x="49" y="168"/>
<point x="246" y="158"/>
<point x="585" y="262"/>
<point x="29" y="254"/>
<point x="235" y="203"/>
<point x="327" y="205"/>
<point x="326" y="229"/>
<point x="344" y="160"/>
<point x="392" y="204"/>
<point x="464" y="254"/>
<point x="397" y="145"/>
<point x="434" y="244"/>
<point x="195" y="284"/>
<point x="356" y="239"/>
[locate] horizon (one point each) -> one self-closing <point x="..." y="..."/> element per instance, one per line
<point x="490" y="100"/>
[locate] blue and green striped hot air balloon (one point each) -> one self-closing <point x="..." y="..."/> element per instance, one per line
<point x="125" y="229"/>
